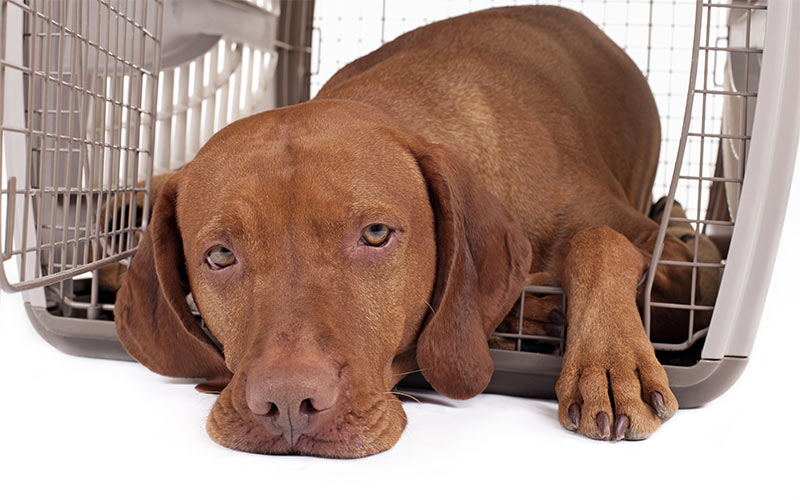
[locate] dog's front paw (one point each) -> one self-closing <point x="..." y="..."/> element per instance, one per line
<point x="617" y="393"/>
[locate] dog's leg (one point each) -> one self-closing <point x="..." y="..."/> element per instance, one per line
<point x="611" y="384"/>
<point x="542" y="315"/>
<point x="675" y="285"/>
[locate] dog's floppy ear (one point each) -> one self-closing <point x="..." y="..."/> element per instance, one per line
<point x="483" y="258"/>
<point x="152" y="317"/>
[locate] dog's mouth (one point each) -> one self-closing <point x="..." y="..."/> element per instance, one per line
<point x="350" y="435"/>
<point x="307" y="445"/>
<point x="353" y="433"/>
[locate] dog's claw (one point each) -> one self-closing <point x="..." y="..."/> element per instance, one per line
<point x="623" y="422"/>
<point x="603" y="424"/>
<point x="553" y="329"/>
<point x="557" y="317"/>
<point x="657" y="402"/>
<point x="574" y="415"/>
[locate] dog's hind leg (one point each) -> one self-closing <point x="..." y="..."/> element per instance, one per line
<point x="542" y="315"/>
<point x="688" y="277"/>
<point x="706" y="278"/>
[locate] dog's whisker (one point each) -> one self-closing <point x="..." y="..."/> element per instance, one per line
<point x="398" y="393"/>
<point x="430" y="307"/>
<point x="403" y="374"/>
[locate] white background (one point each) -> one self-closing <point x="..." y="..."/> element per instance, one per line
<point x="83" y="428"/>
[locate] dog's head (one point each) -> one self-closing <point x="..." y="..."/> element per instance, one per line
<point x="329" y="255"/>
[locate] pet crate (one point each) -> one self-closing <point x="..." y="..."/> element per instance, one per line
<point x="97" y="95"/>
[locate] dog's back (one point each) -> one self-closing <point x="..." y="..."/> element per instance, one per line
<point x="546" y="108"/>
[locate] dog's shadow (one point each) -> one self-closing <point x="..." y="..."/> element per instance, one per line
<point x="183" y="381"/>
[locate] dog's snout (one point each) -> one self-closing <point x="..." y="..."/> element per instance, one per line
<point x="292" y="398"/>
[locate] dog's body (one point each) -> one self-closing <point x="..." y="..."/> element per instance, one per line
<point x="490" y="147"/>
<point x="545" y="109"/>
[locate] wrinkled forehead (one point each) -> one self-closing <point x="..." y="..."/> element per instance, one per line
<point x="314" y="177"/>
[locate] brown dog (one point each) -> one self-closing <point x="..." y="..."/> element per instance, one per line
<point x="389" y="224"/>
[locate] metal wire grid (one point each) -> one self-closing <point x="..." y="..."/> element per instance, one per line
<point x="88" y="72"/>
<point x="706" y="135"/>
<point x="526" y="341"/>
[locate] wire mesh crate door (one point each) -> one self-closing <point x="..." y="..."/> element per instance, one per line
<point x="89" y="72"/>
<point x="716" y="120"/>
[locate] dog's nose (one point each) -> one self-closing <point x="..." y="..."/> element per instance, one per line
<point x="294" y="398"/>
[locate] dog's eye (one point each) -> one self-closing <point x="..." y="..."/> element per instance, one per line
<point x="375" y="235"/>
<point x="220" y="257"/>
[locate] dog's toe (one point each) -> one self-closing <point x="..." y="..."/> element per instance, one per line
<point x="635" y="419"/>
<point x="614" y="400"/>
<point x="584" y="403"/>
